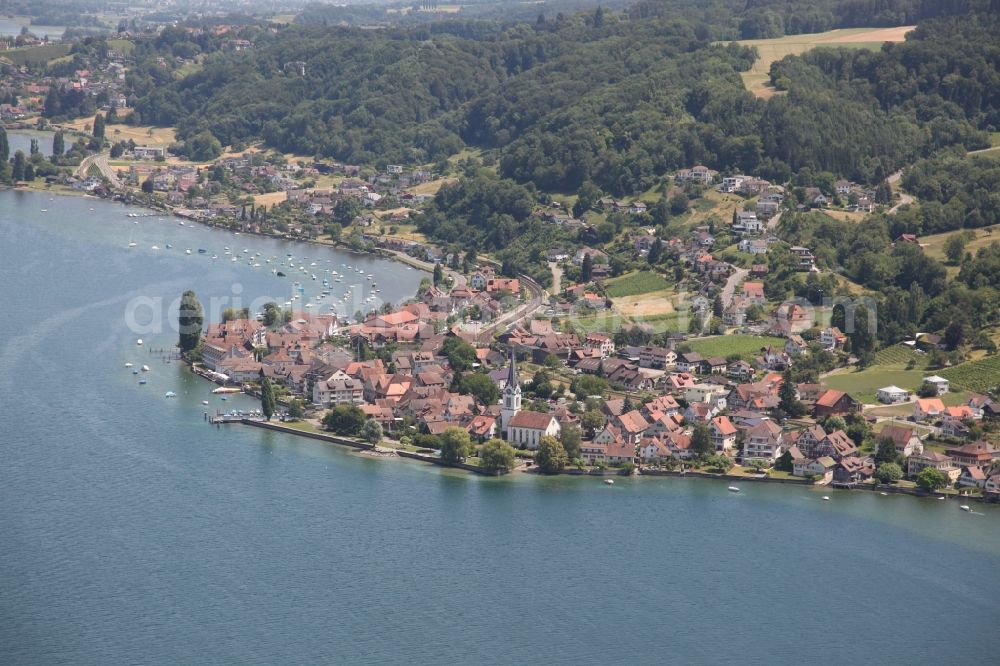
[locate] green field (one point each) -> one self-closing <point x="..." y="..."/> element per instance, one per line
<point x="36" y="54"/>
<point x="863" y="385"/>
<point x="900" y="355"/>
<point x="746" y="346"/>
<point x="980" y="376"/>
<point x="632" y="284"/>
<point x="606" y="321"/>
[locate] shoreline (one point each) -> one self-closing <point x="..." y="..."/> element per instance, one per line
<point x="390" y="255"/>
<point x="390" y="453"/>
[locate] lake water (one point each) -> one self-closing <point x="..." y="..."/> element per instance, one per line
<point x="21" y="140"/>
<point x="12" y="28"/>
<point x="132" y="532"/>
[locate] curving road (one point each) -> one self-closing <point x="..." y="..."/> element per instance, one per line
<point x="101" y="162"/>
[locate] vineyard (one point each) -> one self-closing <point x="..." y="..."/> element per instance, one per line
<point x="898" y="355"/>
<point x="981" y="376"/>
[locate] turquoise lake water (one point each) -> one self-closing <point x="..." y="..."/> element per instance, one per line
<point x="132" y="532"/>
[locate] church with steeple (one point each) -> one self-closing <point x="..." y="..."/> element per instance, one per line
<point x="511" y="403"/>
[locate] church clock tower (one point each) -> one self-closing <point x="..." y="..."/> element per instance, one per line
<point x="511" y="394"/>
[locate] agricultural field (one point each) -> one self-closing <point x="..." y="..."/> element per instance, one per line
<point x="933" y="246"/>
<point x="651" y="304"/>
<point x="979" y="376"/>
<point x="634" y="284"/>
<point x="900" y="355"/>
<point x="863" y="384"/>
<point x="746" y="346"/>
<point x="35" y="54"/>
<point x="605" y="321"/>
<point x="757" y="79"/>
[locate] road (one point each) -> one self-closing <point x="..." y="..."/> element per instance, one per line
<point x="737" y="276"/>
<point x="772" y="224"/>
<point x="904" y="198"/>
<point x="101" y="162"/>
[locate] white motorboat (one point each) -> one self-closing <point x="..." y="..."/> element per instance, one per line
<point x="169" y="394"/>
<point x="609" y="482"/>
<point x="145" y="368"/>
<point x="128" y="365"/>
<point x="826" y="498"/>
<point x="733" y="489"/>
<point x="965" y="507"/>
<point x="139" y="342"/>
<point x="132" y="244"/>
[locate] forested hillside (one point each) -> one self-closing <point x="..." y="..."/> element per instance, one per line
<point x="590" y="98"/>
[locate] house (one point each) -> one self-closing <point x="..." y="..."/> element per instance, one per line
<point x="814" y="467"/>
<point x="972" y="477"/>
<point x="832" y="338"/>
<point x="763" y="442"/>
<point x="482" y="427"/>
<point x="723" y="433"/>
<point x="835" y="403"/>
<point x="340" y="388"/>
<point x="526" y="429"/>
<point x="796" y="346"/>
<point x="805" y="257"/>
<point x="656" y="357"/>
<point x="905" y="439"/>
<point x="652" y="449"/>
<point x="690" y="362"/>
<point x="892" y="394"/>
<point x="939" y="461"/>
<point x="952" y="427"/>
<point x="698" y="174"/>
<point x="731" y="183"/>
<point x="789" y="318"/>
<point x="928" y="409"/>
<point x="978" y="454"/>
<point x="735" y="314"/>
<point x="741" y="371"/>
<point x="753" y="246"/>
<point x="939" y="383"/>
<point x="747" y="222"/>
<point x="596" y="256"/>
<point x="602" y="343"/>
<point x="753" y="293"/>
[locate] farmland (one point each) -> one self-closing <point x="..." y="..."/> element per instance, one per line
<point x="634" y="284"/>
<point x="746" y="346"/>
<point x="757" y="80"/>
<point x="36" y="54"/>
<point x="980" y="376"/>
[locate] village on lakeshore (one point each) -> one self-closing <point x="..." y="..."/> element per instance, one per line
<point x="703" y="323"/>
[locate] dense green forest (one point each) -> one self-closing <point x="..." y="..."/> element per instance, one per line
<point x="593" y="97"/>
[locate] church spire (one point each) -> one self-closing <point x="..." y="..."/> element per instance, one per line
<point x="512" y="380"/>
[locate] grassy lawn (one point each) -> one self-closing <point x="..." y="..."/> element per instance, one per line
<point x="605" y="321"/>
<point x="633" y="284"/>
<point x="305" y="426"/>
<point x="747" y="346"/>
<point x="673" y="321"/>
<point x="862" y="385"/>
<point x="771" y="50"/>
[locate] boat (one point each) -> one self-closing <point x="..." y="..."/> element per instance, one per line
<point x="142" y="381"/>
<point x="132" y="244"/>
<point x="609" y="482"/>
<point x="965" y="507"/>
<point x="884" y="494"/>
<point x="733" y="489"/>
<point x="204" y="402"/>
<point x="128" y="365"/>
<point x="280" y="274"/>
<point x="169" y="246"/>
<point x="941" y="498"/>
<point x="145" y="368"/>
<point x="187" y="251"/>
<point x="226" y="389"/>
<point x="826" y="498"/>
<point x="135" y="372"/>
<point x="169" y="394"/>
<point x="139" y="342"/>
<point x="202" y="250"/>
